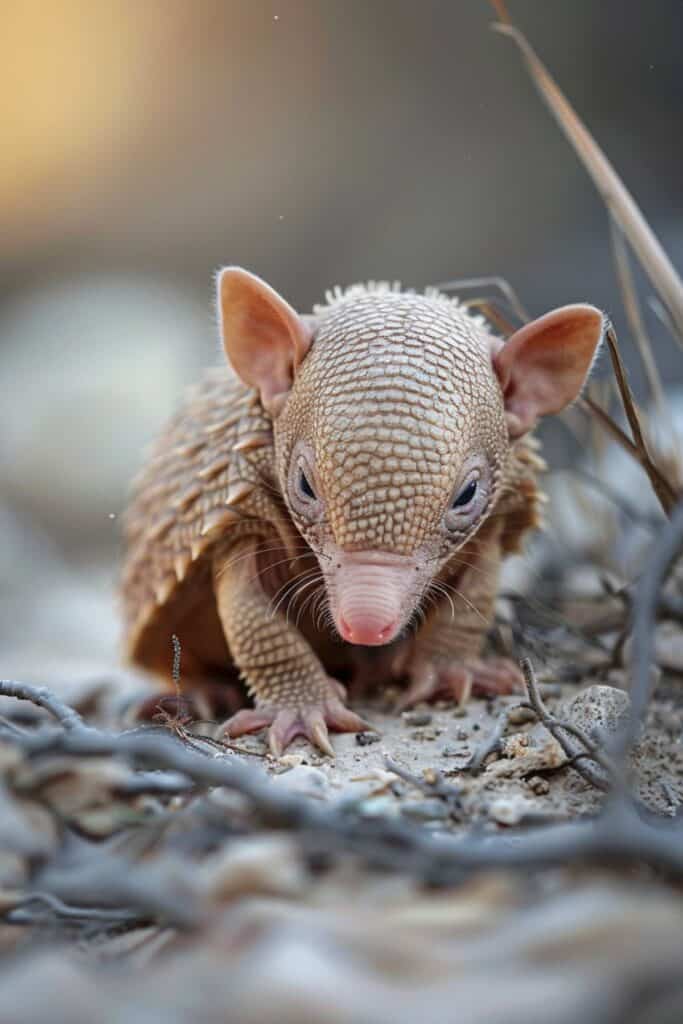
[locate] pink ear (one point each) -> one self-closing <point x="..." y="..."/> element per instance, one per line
<point x="263" y="337"/>
<point x="544" y="365"/>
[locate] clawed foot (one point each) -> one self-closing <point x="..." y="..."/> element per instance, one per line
<point x="286" y="723"/>
<point x="457" y="680"/>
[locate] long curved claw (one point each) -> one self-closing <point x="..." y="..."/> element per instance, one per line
<point x="316" y="731"/>
<point x="341" y="719"/>
<point x="285" y="726"/>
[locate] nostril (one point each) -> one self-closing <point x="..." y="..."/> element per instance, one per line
<point x="345" y="629"/>
<point x="388" y="631"/>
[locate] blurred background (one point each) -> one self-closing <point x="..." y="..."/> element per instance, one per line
<point x="316" y="142"/>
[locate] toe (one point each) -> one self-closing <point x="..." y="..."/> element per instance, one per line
<point x="458" y="683"/>
<point x="340" y="718"/>
<point x="246" y="720"/>
<point x="497" y="677"/>
<point x="423" y="687"/>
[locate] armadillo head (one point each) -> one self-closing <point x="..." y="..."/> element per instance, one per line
<point x="394" y="415"/>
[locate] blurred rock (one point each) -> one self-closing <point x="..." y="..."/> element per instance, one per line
<point x="598" y="707"/>
<point x="669" y="646"/>
<point x="59" y="621"/>
<point x="511" y="809"/>
<point x="603" y="510"/>
<point x="259" y="865"/>
<point x="303" y="779"/>
<point x="91" y="368"/>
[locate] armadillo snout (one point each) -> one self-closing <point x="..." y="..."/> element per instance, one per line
<point x="372" y="594"/>
<point x="368" y="631"/>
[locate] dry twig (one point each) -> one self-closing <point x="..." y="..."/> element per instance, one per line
<point x="645" y="604"/>
<point x="559" y="729"/>
<point x="627" y="219"/>
<point x="621" y="834"/>
<point x="620" y="203"/>
<point x="635" y="319"/>
<point x="435" y="785"/>
<point x="42" y="698"/>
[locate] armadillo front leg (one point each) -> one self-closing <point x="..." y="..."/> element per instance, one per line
<point x="292" y="693"/>
<point x="446" y="659"/>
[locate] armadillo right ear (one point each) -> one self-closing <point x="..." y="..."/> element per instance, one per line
<point x="544" y="365"/>
<point x="263" y="337"/>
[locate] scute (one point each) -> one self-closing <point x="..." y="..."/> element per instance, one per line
<point x="184" y="501"/>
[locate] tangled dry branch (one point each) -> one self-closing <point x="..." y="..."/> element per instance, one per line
<point x="113" y="886"/>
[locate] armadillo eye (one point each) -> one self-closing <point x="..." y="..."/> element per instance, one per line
<point x="305" y="488"/>
<point x="466" y="495"/>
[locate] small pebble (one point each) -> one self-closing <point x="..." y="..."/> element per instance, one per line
<point x="364" y="739"/>
<point x="538" y="785"/>
<point x="510" y="810"/>
<point x="425" y="735"/>
<point x="515" y="746"/>
<point x="520" y="716"/>
<point x="461" y="734"/>
<point x="291" y="760"/>
<point x="417" y="717"/>
<point x="603" y="707"/>
<point x="549" y="691"/>
<point x="670" y="721"/>
<point x="459" y="712"/>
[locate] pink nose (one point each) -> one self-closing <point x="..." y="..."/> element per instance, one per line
<point x="368" y="632"/>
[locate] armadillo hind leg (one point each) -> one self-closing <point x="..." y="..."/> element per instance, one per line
<point x="293" y="695"/>
<point x="446" y="659"/>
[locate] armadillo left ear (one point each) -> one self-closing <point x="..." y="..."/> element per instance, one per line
<point x="543" y="366"/>
<point x="263" y="337"/>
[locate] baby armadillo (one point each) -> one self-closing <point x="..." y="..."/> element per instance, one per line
<point x="363" y="470"/>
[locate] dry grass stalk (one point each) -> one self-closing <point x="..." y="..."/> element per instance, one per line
<point x="663" y="488"/>
<point x="635" y="320"/>
<point x="497" y="283"/>
<point x="618" y="200"/>
<point x="627" y="220"/>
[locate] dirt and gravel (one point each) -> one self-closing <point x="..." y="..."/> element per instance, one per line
<point x="193" y="882"/>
